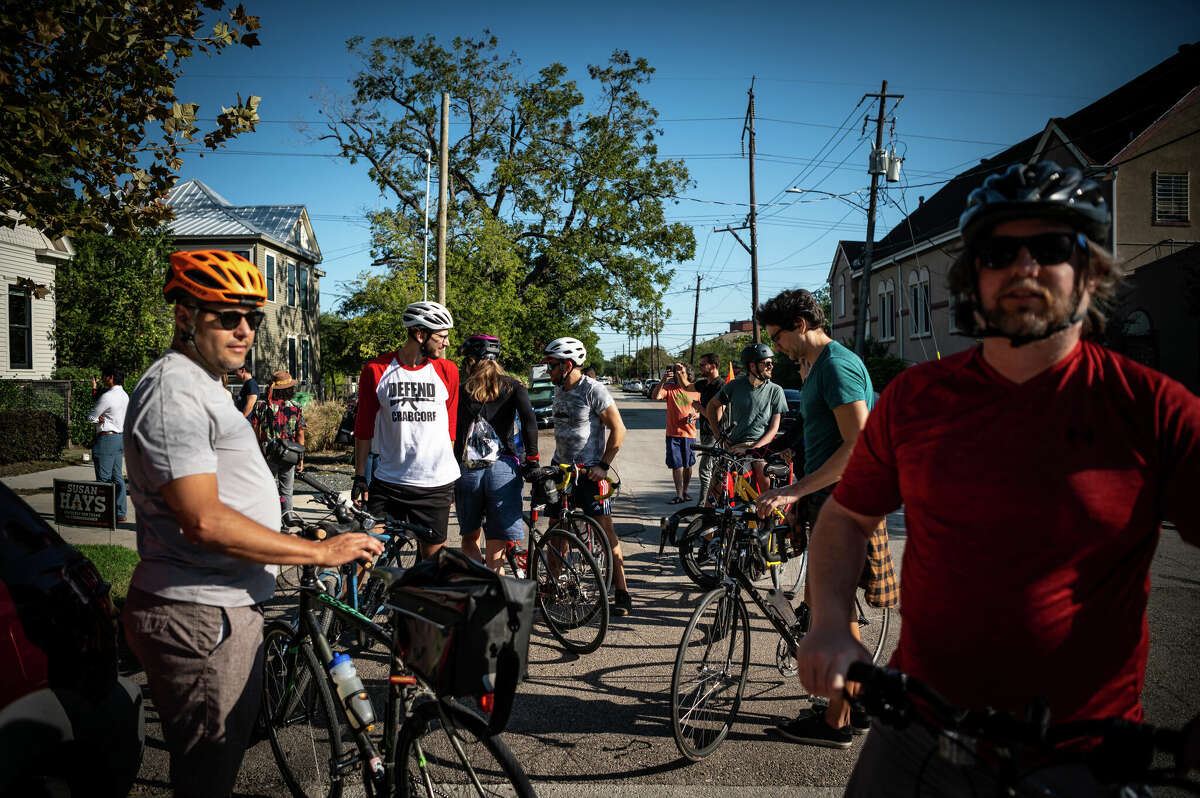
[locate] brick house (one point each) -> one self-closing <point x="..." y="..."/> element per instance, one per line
<point x="279" y="240"/>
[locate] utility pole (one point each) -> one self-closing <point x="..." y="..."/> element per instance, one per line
<point x="876" y="168"/>
<point x="695" y="321"/>
<point x="749" y="126"/>
<point x="443" y="184"/>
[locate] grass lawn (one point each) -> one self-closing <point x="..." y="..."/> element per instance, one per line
<point x="115" y="563"/>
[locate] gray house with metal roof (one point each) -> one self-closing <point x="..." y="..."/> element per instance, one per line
<point x="279" y="240"/>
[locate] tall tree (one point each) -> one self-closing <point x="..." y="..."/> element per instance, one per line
<point x="575" y="195"/>
<point x="109" y="303"/>
<point x="90" y="128"/>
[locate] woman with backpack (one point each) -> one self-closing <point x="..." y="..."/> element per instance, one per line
<point x="281" y="417"/>
<point x="491" y="404"/>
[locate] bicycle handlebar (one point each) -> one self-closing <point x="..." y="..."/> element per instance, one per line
<point x="1126" y="748"/>
<point x="344" y="510"/>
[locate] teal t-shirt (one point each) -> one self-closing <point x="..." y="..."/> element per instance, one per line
<point x="750" y="409"/>
<point x="838" y="378"/>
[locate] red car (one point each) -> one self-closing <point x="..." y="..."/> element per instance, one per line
<point x="69" y="724"/>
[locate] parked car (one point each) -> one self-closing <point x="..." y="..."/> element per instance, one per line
<point x="648" y="387"/>
<point x="634" y="386"/>
<point x="541" y="396"/>
<point x="69" y="725"/>
<point x="792" y="395"/>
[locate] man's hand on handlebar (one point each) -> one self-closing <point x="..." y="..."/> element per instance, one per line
<point x="823" y="657"/>
<point x="347" y="547"/>
<point x="770" y="500"/>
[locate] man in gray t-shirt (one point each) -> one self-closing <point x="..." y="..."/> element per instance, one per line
<point x="583" y="409"/>
<point x="207" y="527"/>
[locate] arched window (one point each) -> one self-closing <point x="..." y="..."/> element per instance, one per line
<point x="918" y="301"/>
<point x="887" y="310"/>
<point x="841" y="295"/>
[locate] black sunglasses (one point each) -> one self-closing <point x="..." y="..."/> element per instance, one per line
<point x="230" y="319"/>
<point x="999" y="252"/>
<point x="766" y="364"/>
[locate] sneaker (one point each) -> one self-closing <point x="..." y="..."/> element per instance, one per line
<point x="860" y="722"/>
<point x="622" y="603"/>
<point x="812" y="729"/>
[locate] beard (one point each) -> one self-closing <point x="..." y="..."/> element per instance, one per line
<point x="1032" y="320"/>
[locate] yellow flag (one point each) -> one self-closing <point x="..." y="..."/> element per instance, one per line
<point x="730" y="377"/>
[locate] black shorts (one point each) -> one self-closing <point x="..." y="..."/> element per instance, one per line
<point x="427" y="507"/>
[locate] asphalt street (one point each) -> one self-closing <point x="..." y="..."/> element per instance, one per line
<point x="599" y="724"/>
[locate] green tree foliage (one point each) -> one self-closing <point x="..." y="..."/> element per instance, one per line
<point x="91" y="131"/>
<point x="109" y="302"/>
<point x="557" y="212"/>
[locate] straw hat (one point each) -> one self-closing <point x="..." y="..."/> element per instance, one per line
<point x="281" y="379"/>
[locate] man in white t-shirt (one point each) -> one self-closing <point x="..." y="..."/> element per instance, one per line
<point x="109" y="417"/>
<point x="208" y="521"/>
<point x="413" y="395"/>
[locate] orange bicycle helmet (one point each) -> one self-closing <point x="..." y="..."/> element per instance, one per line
<point x="213" y="275"/>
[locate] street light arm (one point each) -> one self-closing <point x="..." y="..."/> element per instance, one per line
<point x="795" y="190"/>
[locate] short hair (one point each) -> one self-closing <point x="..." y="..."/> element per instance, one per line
<point x="116" y="372"/>
<point x="687" y="369"/>
<point x="711" y="357"/>
<point x="1098" y="264"/>
<point x="784" y="308"/>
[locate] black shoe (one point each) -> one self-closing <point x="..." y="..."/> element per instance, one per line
<point x="860" y="722"/>
<point x="622" y="603"/>
<point x="812" y="729"/>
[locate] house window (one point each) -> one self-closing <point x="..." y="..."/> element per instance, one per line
<point x="303" y="278"/>
<point x="918" y="301"/>
<point x="244" y="253"/>
<point x="20" y="328"/>
<point x="291" y="288"/>
<point x="292" y="356"/>
<point x="271" y="278"/>
<point x="1171" y="198"/>
<point x="887" y="311"/>
<point x="841" y="308"/>
<point x="305" y="354"/>
<point x="316" y="296"/>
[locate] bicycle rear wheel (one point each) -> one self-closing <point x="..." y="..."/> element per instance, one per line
<point x="299" y="715"/>
<point x="571" y="593"/>
<point x="699" y="548"/>
<point x="710" y="674"/>
<point x="594" y="537"/>
<point x="446" y="750"/>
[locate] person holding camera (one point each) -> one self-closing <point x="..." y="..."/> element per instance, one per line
<point x="680" y="394"/>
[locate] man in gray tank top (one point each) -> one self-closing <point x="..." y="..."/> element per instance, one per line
<point x="208" y="524"/>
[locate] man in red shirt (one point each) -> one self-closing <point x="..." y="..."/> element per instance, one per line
<point x="1035" y="470"/>
<point x="414" y="392"/>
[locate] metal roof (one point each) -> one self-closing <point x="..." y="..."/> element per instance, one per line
<point x="201" y="212"/>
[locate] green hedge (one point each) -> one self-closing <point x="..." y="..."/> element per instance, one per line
<point x="31" y="435"/>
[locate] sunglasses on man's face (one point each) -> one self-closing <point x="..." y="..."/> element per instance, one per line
<point x="230" y="319"/>
<point x="1048" y="249"/>
<point x="766" y="364"/>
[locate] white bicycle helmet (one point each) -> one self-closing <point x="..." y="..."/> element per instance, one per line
<point x="567" y="349"/>
<point x="430" y="315"/>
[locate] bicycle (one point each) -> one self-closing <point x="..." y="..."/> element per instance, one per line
<point x="430" y="743"/>
<point x="713" y="657"/>
<point x="1010" y="752"/>
<point x="566" y="477"/>
<point x="572" y="593"/>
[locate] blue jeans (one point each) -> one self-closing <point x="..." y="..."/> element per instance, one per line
<point x="107" y="459"/>
<point x="491" y="497"/>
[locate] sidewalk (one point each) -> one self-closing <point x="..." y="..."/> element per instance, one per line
<point x="125" y="534"/>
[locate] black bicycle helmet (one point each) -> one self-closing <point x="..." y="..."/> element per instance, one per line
<point x="481" y="347"/>
<point x="756" y="352"/>
<point x="1042" y="190"/>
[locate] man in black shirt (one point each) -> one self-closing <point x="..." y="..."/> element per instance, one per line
<point x="708" y="384"/>
<point x="249" y="393"/>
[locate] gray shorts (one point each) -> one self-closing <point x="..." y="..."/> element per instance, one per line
<point x="204" y="668"/>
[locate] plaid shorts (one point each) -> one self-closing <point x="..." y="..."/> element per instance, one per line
<point x="878" y="579"/>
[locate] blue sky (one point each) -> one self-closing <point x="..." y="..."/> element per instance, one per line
<point x="975" y="78"/>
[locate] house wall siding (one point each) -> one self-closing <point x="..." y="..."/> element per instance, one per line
<point x="18" y="259"/>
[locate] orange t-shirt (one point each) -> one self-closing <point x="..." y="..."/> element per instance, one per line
<point x="680" y="423"/>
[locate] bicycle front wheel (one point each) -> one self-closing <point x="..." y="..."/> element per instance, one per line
<point x="299" y="715"/>
<point x="594" y="537"/>
<point x="700" y="547"/>
<point x="710" y="673"/>
<point x="570" y="590"/>
<point x="446" y="750"/>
